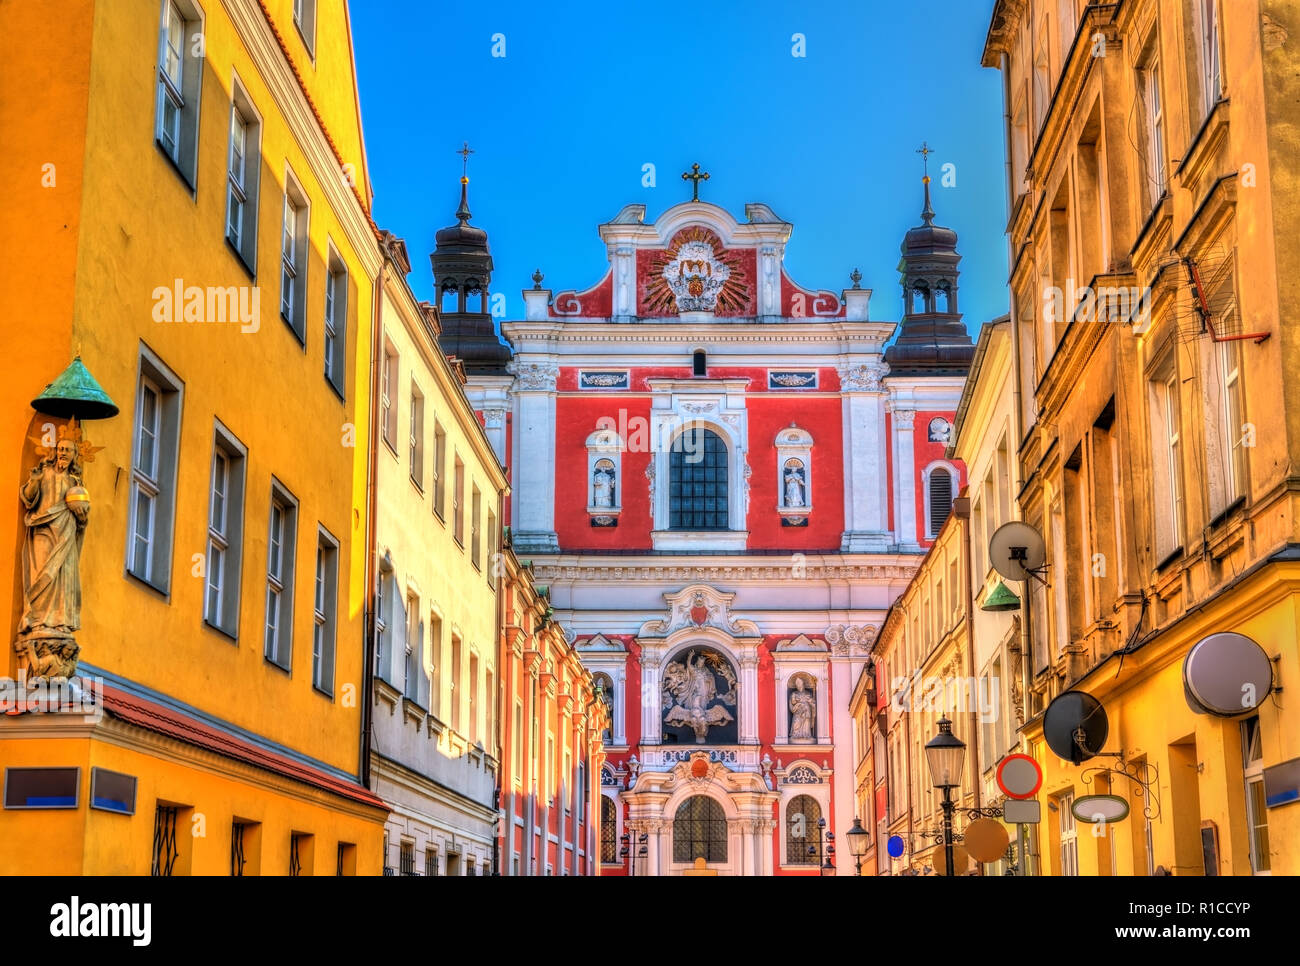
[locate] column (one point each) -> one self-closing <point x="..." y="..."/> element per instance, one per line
<point x="747" y="727"/>
<point x="651" y="724"/>
<point x="533" y="468"/>
<point x="737" y="851"/>
<point x="866" y="490"/>
<point x="494" y="425"/>
<point x="904" y="481"/>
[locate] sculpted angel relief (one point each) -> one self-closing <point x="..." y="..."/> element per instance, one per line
<point x="692" y="697"/>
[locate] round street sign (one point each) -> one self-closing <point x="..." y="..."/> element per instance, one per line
<point x="896" y="845"/>
<point x="1019" y="776"/>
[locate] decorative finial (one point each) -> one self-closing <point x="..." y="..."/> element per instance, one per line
<point x="464" y="152"/>
<point x="537" y="279"/>
<point x="462" y="213"/>
<point x="695" y="178"/>
<point x="856" y="277"/>
<point x="927" y="213"/>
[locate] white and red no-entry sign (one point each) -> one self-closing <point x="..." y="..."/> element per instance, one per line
<point x="1019" y="776"/>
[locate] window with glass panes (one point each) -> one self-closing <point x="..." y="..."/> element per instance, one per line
<point x="699" y="831"/>
<point x="697" y="482"/>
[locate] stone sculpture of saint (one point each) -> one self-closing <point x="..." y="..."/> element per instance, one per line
<point x="55" y="522"/>
<point x="793" y="488"/>
<point x="603" y="485"/>
<point x="700" y="685"/>
<point x="802" y="707"/>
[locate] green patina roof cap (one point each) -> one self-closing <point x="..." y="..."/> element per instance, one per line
<point x="75" y="393"/>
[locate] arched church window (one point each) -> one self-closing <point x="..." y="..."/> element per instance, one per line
<point x="608" y="830"/>
<point x="699" y="831"/>
<point x="697" y="481"/>
<point x="699" y="363"/>
<point x="939" y="491"/>
<point x="605" y="688"/>
<point x="802" y="835"/>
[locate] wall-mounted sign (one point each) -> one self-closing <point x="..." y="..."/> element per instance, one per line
<point x="1019" y="776"/>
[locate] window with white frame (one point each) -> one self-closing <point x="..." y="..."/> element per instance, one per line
<point x="1232" y="420"/>
<point x="1211" y="53"/>
<point x="455" y="691"/>
<point x="388" y="397"/>
<point x="458" y="503"/>
<point x="293" y="258"/>
<point x="153" y="473"/>
<point x="1153" y="120"/>
<point x="225" y="532"/>
<point x="1069" y="835"/>
<point x="415" y="436"/>
<point x="304" y="18"/>
<point x="1167" y="478"/>
<point x="336" y="323"/>
<point x="383" y="631"/>
<point x="439" y="468"/>
<point x="475" y="513"/>
<point x="1252" y="760"/>
<point x="243" y="164"/>
<point x="472" y="690"/>
<point x="435" y="661"/>
<point x="282" y="535"/>
<point x="411" y="668"/>
<point x="325" y="612"/>
<point x="180" y="75"/>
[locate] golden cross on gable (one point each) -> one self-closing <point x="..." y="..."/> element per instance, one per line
<point x="695" y="178"/>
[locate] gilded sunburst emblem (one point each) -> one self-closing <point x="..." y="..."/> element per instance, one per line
<point x="696" y="274"/>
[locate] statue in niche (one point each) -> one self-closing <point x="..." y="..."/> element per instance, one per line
<point x="603" y="484"/>
<point x="940" y="430"/>
<point x="689" y="689"/>
<point x="58" y="508"/>
<point x="794" y="489"/>
<point x="803" y="709"/>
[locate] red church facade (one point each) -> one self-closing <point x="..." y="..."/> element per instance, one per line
<point x="723" y="479"/>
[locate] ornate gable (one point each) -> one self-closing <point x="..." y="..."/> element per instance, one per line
<point x="699" y="605"/>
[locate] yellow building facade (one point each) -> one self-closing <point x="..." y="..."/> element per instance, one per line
<point x="1152" y="214"/>
<point x="196" y="230"/>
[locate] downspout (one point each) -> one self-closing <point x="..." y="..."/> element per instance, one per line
<point x="962" y="511"/>
<point x="497" y="563"/>
<point x="367" y="672"/>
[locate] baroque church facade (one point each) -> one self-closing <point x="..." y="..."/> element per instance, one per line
<point x="723" y="479"/>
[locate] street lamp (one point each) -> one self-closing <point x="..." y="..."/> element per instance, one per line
<point x="626" y="852"/>
<point x="945" y="753"/>
<point x="826" y="846"/>
<point x="859" y="838"/>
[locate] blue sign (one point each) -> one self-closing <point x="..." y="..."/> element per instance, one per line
<point x="896" y="846"/>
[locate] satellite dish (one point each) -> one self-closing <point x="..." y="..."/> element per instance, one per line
<point x="1075" y="726"/>
<point x="1017" y="551"/>
<point x="1226" y="674"/>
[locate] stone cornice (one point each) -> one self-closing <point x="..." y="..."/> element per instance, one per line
<point x="843" y="336"/>
<point x="707" y="571"/>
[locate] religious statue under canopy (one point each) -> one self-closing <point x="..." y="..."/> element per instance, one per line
<point x="58" y="508"/>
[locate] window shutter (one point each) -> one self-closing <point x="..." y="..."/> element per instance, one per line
<point x="940" y="499"/>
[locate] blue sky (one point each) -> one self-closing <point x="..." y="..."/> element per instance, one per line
<point x="586" y="94"/>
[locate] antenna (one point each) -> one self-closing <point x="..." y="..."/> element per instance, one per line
<point x="1017" y="552"/>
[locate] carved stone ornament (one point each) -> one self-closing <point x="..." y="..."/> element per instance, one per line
<point x="58" y="509"/>
<point x="862" y="377"/>
<point x="534" y="375"/>
<point x="851" y="638"/>
<point x="903" y="418"/>
<point x="699" y="606"/>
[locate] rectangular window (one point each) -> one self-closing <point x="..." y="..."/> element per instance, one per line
<point x="493" y="549"/>
<point x="407" y="859"/>
<point x="431" y="862"/>
<point x="439" y="467"/>
<point x="325" y="612"/>
<point x="1252" y="760"/>
<point x="153" y="473"/>
<point x="42" y="787"/>
<point x="1211" y="54"/>
<point x="225" y="533"/>
<point x="293" y="258"/>
<point x="548" y="792"/>
<point x="166" y="847"/>
<point x="388" y="397"/>
<point x="455" y="683"/>
<point x="517" y="742"/>
<point x="304" y="18"/>
<point x="180" y="75"/>
<point x="415" y="439"/>
<point x="281" y="539"/>
<point x="414" y="647"/>
<point x="243" y="164"/>
<point x="475" y="510"/>
<point x="336" y="323"/>
<point x="473" y="698"/>
<point x="1069" y="836"/>
<point x="1168" y="477"/>
<point x="112" y="791"/>
<point x="1233" y="420"/>
<point x="1154" y="120"/>
<point x="458" y="503"/>
<point x="383" y="635"/>
<point x="435" y="654"/>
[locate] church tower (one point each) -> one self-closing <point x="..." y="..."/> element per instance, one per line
<point x="932" y="339"/>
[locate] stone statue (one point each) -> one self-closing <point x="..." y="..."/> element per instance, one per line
<point x="58" y="507"/>
<point x="689" y="688"/>
<point x="794" y="488"/>
<point x="603" y="486"/>
<point x="803" y="706"/>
